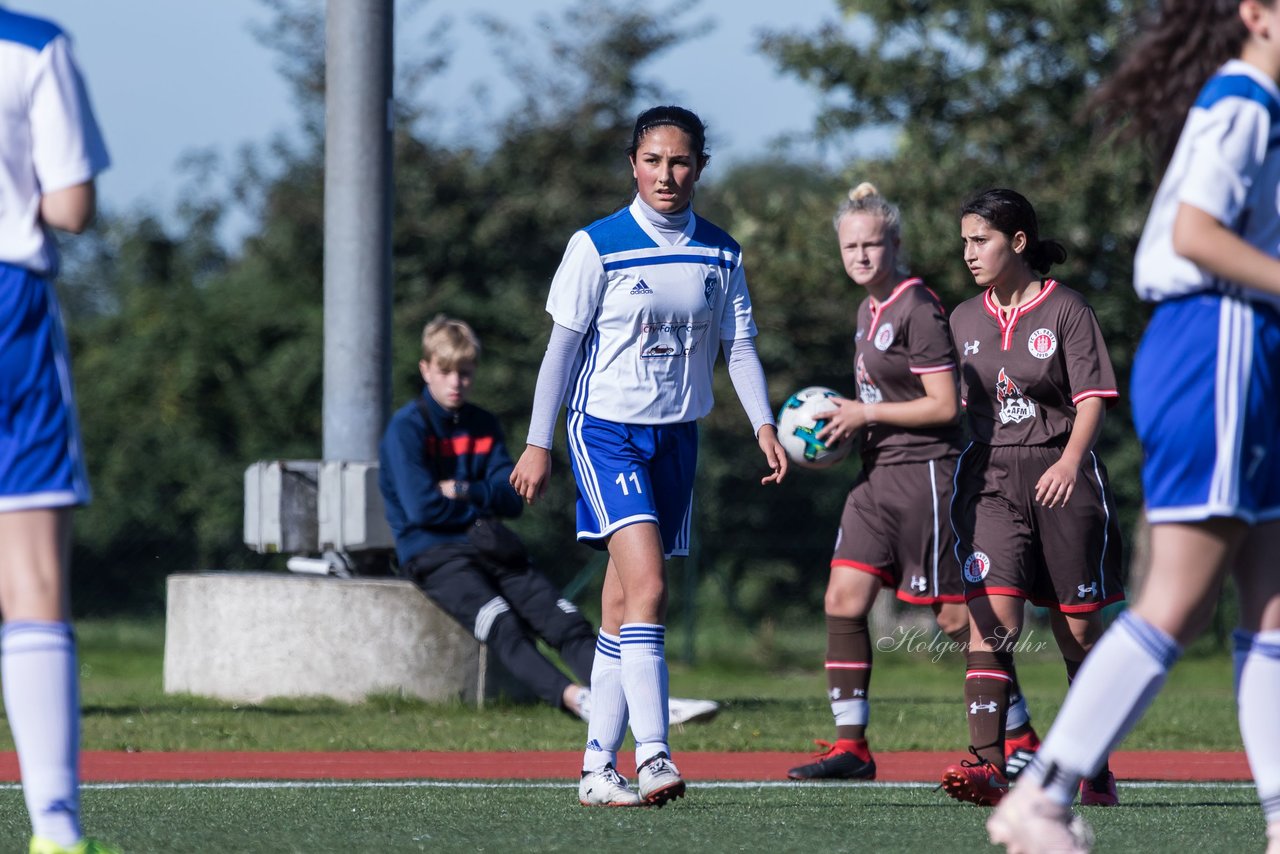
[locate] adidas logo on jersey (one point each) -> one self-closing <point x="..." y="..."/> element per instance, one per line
<point x="641" y="289"/>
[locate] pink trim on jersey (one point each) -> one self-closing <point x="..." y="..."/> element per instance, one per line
<point x="848" y="665"/>
<point x="988" y="674"/>
<point x="897" y="292"/>
<point x="1095" y="392"/>
<point x="936" y="369"/>
<point x="882" y="574"/>
<point x="1007" y="326"/>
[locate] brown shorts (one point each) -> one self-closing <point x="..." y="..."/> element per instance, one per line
<point x="1066" y="558"/>
<point x="895" y="527"/>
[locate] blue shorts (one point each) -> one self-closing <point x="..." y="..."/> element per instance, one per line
<point x="1206" y="405"/>
<point x="629" y="473"/>
<point x="41" y="462"/>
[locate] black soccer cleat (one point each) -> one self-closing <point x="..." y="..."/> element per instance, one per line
<point x="836" y="763"/>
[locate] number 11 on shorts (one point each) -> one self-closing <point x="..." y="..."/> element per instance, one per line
<point x="622" y="479"/>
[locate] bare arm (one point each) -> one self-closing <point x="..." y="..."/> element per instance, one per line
<point x="1059" y="480"/>
<point x="939" y="406"/>
<point x="1210" y="245"/>
<point x="69" y="209"/>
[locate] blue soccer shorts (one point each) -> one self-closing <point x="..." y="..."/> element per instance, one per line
<point x="629" y="473"/>
<point x="1206" y="405"/>
<point x="41" y="462"/>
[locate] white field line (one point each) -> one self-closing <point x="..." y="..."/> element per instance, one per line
<point x="474" y="784"/>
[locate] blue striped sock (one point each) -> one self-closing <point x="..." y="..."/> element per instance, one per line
<point x="644" y="679"/>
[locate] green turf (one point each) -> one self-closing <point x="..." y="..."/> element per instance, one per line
<point x="535" y="819"/>
<point x="769" y="704"/>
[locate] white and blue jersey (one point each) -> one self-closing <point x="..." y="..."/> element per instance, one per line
<point x="1206" y="378"/>
<point x="653" y="312"/>
<point x="48" y="141"/>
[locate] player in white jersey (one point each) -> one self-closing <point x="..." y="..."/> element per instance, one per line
<point x="50" y="151"/>
<point x="1206" y="401"/>
<point x="642" y="302"/>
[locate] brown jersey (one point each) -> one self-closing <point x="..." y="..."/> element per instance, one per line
<point x="898" y="341"/>
<point x="1021" y="376"/>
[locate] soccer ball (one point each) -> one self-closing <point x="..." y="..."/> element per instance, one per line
<point x="798" y="426"/>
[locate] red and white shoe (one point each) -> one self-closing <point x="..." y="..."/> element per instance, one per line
<point x="1018" y="753"/>
<point x="977" y="781"/>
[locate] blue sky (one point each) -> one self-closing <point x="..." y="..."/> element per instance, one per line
<point x="169" y="77"/>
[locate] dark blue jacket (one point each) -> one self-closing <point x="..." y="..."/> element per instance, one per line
<point x="417" y="453"/>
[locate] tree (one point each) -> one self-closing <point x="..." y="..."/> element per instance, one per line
<point x="992" y="93"/>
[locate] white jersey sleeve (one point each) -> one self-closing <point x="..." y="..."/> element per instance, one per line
<point x="68" y="147"/>
<point x="738" y="320"/>
<point x="49" y="139"/>
<point x="577" y="285"/>
<point x="1227" y="164"/>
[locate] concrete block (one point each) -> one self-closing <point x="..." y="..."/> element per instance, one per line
<point x="249" y="636"/>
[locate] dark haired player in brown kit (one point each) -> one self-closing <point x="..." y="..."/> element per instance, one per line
<point x="894" y="530"/>
<point x="1033" y="512"/>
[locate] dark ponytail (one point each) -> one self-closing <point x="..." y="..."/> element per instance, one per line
<point x="1008" y="212"/>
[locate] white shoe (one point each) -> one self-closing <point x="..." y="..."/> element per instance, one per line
<point x="660" y="781"/>
<point x="685" y="711"/>
<point x="1028" y="821"/>
<point x="584" y="704"/>
<point x="606" y="788"/>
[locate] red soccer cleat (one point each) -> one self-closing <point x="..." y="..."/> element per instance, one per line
<point x="1100" y="791"/>
<point x="1018" y="753"/>
<point x="976" y="781"/>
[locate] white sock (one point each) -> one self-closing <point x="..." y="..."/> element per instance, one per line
<point x="1117" y="682"/>
<point x="644" y="679"/>
<point x="1018" y="714"/>
<point x="607" y="725"/>
<point x="851" y="712"/>
<point x="1258" y="696"/>
<point x="1241" y="643"/>
<point x="38" y="668"/>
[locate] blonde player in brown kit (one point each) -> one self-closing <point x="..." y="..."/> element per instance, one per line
<point x="894" y="529"/>
<point x="1033" y="512"/>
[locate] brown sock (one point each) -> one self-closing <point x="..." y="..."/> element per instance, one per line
<point x="848" y="667"/>
<point x="960" y="637"/>
<point x="986" y="698"/>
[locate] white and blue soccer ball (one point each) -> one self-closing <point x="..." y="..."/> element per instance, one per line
<point x="800" y="420"/>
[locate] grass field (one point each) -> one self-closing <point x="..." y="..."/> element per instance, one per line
<point x="770" y="704"/>
<point x="917" y="705"/>
<point x="524" y="817"/>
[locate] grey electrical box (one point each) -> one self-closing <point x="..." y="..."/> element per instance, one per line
<point x="280" y="506"/>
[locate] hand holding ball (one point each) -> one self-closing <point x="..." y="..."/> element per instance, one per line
<point x="798" y="424"/>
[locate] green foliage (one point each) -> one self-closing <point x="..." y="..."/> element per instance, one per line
<point x="193" y="362"/>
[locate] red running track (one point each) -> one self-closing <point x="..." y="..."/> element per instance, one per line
<point x="905" y="766"/>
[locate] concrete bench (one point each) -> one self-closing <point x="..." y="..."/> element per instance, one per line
<point x="249" y="636"/>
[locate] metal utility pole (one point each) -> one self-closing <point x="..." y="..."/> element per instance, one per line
<point x="357" y="226"/>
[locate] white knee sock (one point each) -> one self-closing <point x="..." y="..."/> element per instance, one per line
<point x="608" y="722"/>
<point x="38" y="668"/>
<point x="1018" y="714"/>
<point x="1241" y="643"/>
<point x="1117" y="682"/>
<point x="1258" y="696"/>
<point x="644" y="679"/>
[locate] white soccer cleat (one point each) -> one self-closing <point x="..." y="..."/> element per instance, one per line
<point x="685" y="711"/>
<point x="660" y="780"/>
<point x="606" y="788"/>
<point x="1028" y="821"/>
